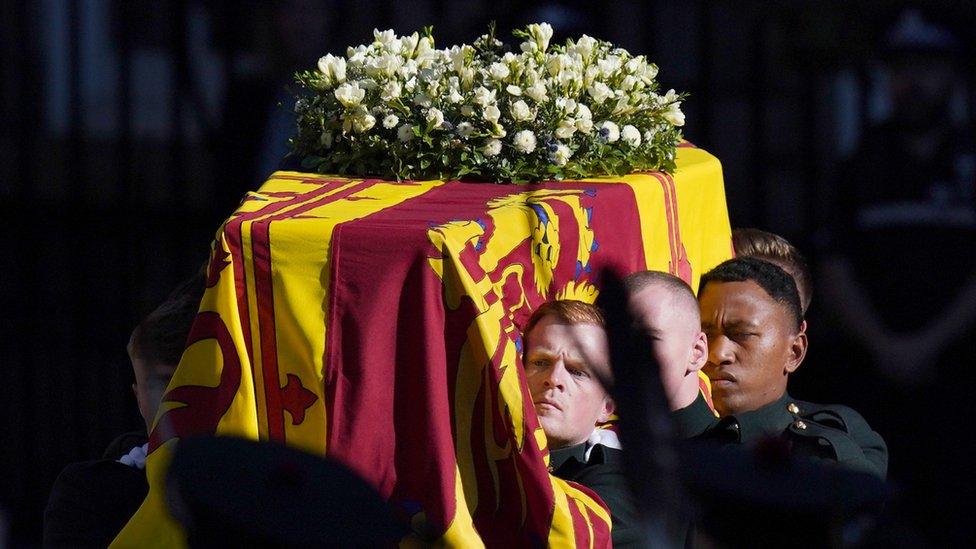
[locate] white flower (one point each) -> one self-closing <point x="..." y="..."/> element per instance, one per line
<point x="497" y="130"/>
<point x="334" y="69"/>
<point x="541" y="34"/>
<point x="350" y="95"/>
<point x="628" y="83"/>
<point x="483" y="96"/>
<point x="584" y="125"/>
<point x="363" y="123"/>
<point x="492" y="113"/>
<point x="673" y="114"/>
<point x="405" y="133"/>
<point x="422" y="100"/>
<point x="630" y="135"/>
<point x="465" y="129"/>
<point x="609" y="131"/>
<point x="566" y="129"/>
<point x="555" y="64"/>
<point x="561" y="155"/>
<point x="455" y="96"/>
<point x="529" y="47"/>
<point x="584" y="46"/>
<point x="408" y="45"/>
<point x="467" y="110"/>
<point x="512" y="89"/>
<point x="537" y="92"/>
<point x="583" y="112"/>
<point x="499" y="71"/>
<point x="565" y="104"/>
<point x="391" y="90"/>
<point x="649" y="135"/>
<point x="435" y="118"/>
<point x="600" y="92"/>
<point x="384" y="38"/>
<point x="525" y="141"/>
<point x="493" y="147"/>
<point x="521" y="111"/>
<point x="390" y="121"/>
<point x="609" y="65"/>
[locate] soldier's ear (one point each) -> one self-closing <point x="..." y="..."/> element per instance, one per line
<point x="699" y="353"/>
<point x="608" y="408"/>
<point x="797" y="352"/>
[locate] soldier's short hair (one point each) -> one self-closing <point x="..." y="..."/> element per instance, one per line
<point x="777" y="250"/>
<point x="568" y="311"/>
<point x="777" y="283"/>
<point x="680" y="289"/>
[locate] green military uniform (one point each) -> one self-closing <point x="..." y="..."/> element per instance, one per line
<point x="823" y="431"/>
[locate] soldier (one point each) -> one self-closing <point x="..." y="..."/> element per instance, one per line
<point x="567" y="360"/>
<point x="751" y="314"/>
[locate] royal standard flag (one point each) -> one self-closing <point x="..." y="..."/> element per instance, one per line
<point x="379" y="323"/>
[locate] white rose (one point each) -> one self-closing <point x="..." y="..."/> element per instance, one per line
<point x="493" y="147"/>
<point x="350" y="95"/>
<point x="483" y="96"/>
<point x="566" y="129"/>
<point x="492" y="113"/>
<point x="600" y="92"/>
<point x="609" y="131"/>
<point x="405" y="133"/>
<point x="391" y="90"/>
<point x="435" y="118"/>
<point x="537" y="92"/>
<point x="465" y="129"/>
<point x="363" y="123"/>
<point x="521" y="111"/>
<point x="467" y="110"/>
<point x="561" y="155"/>
<point x="499" y="71"/>
<point x="512" y="89"/>
<point x="630" y="135"/>
<point x="525" y="141"/>
<point x="390" y="121"/>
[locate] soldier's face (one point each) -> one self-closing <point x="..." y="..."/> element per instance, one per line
<point x="753" y="345"/>
<point x="563" y="366"/>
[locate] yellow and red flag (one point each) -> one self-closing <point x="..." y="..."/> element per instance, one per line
<point x="378" y="323"/>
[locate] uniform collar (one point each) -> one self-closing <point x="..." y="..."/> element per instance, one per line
<point x="557" y="458"/>
<point x="770" y="420"/>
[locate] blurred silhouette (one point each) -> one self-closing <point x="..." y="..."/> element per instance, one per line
<point x="230" y="492"/>
<point x="898" y="273"/>
<point x="91" y="501"/>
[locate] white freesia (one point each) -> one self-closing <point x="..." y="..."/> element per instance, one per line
<point x="390" y="121"/>
<point x="435" y="118"/>
<point x="405" y="133"/>
<point x="492" y="113"/>
<point x="583" y="112"/>
<point x="391" y="90"/>
<point x="497" y="130"/>
<point x="630" y="135"/>
<point x="499" y="71"/>
<point x="454" y="96"/>
<point x="628" y="82"/>
<point x="512" y="89"/>
<point x="609" y="131"/>
<point x="333" y="69"/>
<point x="600" y="92"/>
<point x="384" y="38"/>
<point x="467" y="110"/>
<point x="649" y="135"/>
<point x="408" y="45"/>
<point x="465" y="129"/>
<point x="525" y="141"/>
<point x="422" y="100"/>
<point x="493" y="147"/>
<point x="584" y="125"/>
<point x="541" y="33"/>
<point x="673" y="114"/>
<point x="350" y="95"/>
<point x="521" y="111"/>
<point x="561" y="155"/>
<point x="363" y="123"/>
<point x="584" y="46"/>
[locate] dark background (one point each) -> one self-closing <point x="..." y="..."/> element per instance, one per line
<point x="131" y="129"/>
